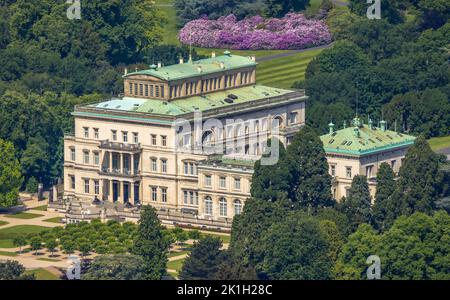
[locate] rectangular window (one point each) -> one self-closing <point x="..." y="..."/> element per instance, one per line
<point x="135" y="137"/>
<point x="86" y="132"/>
<point x="154" y="194"/>
<point x="349" y="172"/>
<point x="72" y="154"/>
<point x="96" y="187"/>
<point x="146" y="90"/>
<point x="162" y="91"/>
<point x="191" y="197"/>
<point x="193" y="169"/>
<point x="223" y="182"/>
<point x="164" y="195"/>
<point x="369" y="171"/>
<point x="131" y="88"/>
<point x="208" y="180"/>
<point x="164" y="166"/>
<point x="96" y="158"/>
<point x="154" y="165"/>
<point x="96" y="134"/>
<point x="237" y="183"/>
<point x="72" y="182"/>
<point x="141" y="89"/>
<point x="153" y="139"/>
<point x="164" y="140"/>
<point x="86" y="186"/>
<point x="185" y="197"/>
<point x="125" y="136"/>
<point x="196" y="198"/>
<point x="186" y="168"/>
<point x="157" y="91"/>
<point x="114" y="135"/>
<point x="151" y="90"/>
<point x="135" y="88"/>
<point x="333" y="170"/>
<point x="86" y="157"/>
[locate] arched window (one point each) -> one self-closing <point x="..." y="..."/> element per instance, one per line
<point x="208" y="206"/>
<point x="223" y="207"/>
<point x="237" y="207"/>
<point x="278" y="122"/>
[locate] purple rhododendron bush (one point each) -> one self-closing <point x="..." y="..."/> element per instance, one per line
<point x="291" y="32"/>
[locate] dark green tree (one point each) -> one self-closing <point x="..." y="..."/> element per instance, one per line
<point x="296" y="248"/>
<point x="310" y="183"/>
<point x="116" y="267"/>
<point x="357" y="206"/>
<point x="278" y="8"/>
<point x="13" y="270"/>
<point x="151" y="244"/>
<point x="270" y="182"/>
<point x="232" y="269"/>
<point x="249" y="227"/>
<point x="10" y="175"/>
<point x="383" y="207"/>
<point x="420" y="182"/>
<point x="204" y="260"/>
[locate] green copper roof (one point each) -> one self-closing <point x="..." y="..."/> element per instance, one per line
<point x="361" y="139"/>
<point x="198" y="68"/>
<point x="191" y="104"/>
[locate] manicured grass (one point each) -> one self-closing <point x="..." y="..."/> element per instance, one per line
<point x="225" y="238"/>
<point x="2" y="223"/>
<point x="49" y="259"/>
<point x="257" y="53"/>
<point x="12" y="232"/>
<point x="42" y="274"/>
<point x="173" y="254"/>
<point x="439" y="143"/>
<point x="54" y="220"/>
<point x="41" y="208"/>
<point x="24" y="215"/>
<point x="283" y="72"/>
<point x="6" y="244"/>
<point x="170" y="34"/>
<point x="6" y="253"/>
<point x="176" y="264"/>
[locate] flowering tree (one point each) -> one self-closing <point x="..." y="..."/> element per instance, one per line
<point x="291" y="32"/>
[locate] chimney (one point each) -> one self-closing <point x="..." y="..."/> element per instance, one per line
<point x="125" y="71"/>
<point x="199" y="69"/>
<point x="370" y="124"/>
<point x="222" y="65"/>
<point x="213" y="54"/>
<point x="331" y="127"/>
<point x="383" y="124"/>
<point x="253" y="58"/>
<point x="356" y="130"/>
<point x="159" y="65"/>
<point x="181" y="60"/>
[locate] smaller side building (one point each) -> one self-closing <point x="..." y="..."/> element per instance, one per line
<point x="360" y="150"/>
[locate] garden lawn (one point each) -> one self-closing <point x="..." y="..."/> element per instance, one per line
<point x="170" y="30"/>
<point x="42" y="274"/>
<point x="23" y="215"/>
<point x="283" y="72"/>
<point x="439" y="143"/>
<point x="174" y="254"/>
<point x="2" y="223"/>
<point x="176" y="264"/>
<point x="41" y="208"/>
<point x="6" y="253"/>
<point x="225" y="238"/>
<point x="8" y="234"/>
<point x="257" y="53"/>
<point x="53" y="220"/>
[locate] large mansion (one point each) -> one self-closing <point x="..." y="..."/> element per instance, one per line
<point x="154" y="144"/>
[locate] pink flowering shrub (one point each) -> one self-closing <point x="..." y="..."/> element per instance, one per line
<point x="293" y="31"/>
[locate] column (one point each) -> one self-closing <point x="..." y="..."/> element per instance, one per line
<point x="110" y="161"/>
<point x="131" y="184"/>
<point x="121" y="163"/>
<point x="110" y="196"/>
<point x="132" y="164"/>
<point x="230" y="207"/>
<point x="100" y="189"/>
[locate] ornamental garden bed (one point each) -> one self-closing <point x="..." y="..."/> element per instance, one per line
<point x="292" y="32"/>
